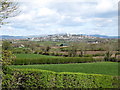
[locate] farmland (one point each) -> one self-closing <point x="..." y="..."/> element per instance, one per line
<point x="48" y="64"/>
<point x="59" y="44"/>
<point x="106" y="68"/>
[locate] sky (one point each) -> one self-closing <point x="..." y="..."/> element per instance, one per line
<point x="40" y="17"/>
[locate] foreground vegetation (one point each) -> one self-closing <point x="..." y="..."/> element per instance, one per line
<point x="37" y="79"/>
<point x="107" y="68"/>
<point x="64" y="67"/>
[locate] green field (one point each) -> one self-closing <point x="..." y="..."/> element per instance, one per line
<point x="29" y="59"/>
<point x="107" y="68"/>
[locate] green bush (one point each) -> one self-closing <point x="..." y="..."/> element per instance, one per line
<point x="93" y="55"/>
<point x="88" y="55"/>
<point x="113" y="59"/>
<point x="35" y="78"/>
<point x="53" y="60"/>
<point x="98" y="54"/>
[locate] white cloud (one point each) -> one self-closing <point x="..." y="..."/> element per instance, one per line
<point x="78" y="19"/>
<point x="103" y="19"/>
<point x="56" y="16"/>
<point x="23" y="17"/>
<point x="46" y="12"/>
<point x="104" y="6"/>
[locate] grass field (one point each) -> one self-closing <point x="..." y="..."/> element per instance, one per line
<point x="107" y="68"/>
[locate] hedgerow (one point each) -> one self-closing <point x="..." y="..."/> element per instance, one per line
<point x="54" y="60"/>
<point x="35" y="78"/>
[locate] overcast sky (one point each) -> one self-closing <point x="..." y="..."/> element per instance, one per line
<point x="64" y="16"/>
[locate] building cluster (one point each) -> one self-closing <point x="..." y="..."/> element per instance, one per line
<point x="62" y="37"/>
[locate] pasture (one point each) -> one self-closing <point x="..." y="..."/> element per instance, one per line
<point x="106" y="68"/>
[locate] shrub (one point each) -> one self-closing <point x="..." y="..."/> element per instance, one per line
<point x="88" y="55"/>
<point x="51" y="53"/>
<point x="98" y="54"/>
<point x="113" y="59"/>
<point x="7" y="58"/>
<point x="22" y="50"/>
<point x="35" y="78"/>
<point x="18" y="51"/>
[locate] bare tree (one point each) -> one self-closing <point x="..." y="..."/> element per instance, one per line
<point x="82" y="47"/>
<point x="72" y="52"/>
<point x="109" y="51"/>
<point x="8" y="9"/>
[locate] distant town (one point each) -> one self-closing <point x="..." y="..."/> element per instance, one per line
<point x="60" y="37"/>
<point x="67" y="37"/>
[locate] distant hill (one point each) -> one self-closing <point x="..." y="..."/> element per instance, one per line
<point x="12" y="37"/>
<point x="105" y="36"/>
<point x="24" y="37"/>
<point x="19" y="37"/>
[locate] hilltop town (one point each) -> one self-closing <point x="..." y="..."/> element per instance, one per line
<point x="68" y="37"/>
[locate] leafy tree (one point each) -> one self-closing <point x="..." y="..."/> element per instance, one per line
<point x="6" y="45"/>
<point x="7" y="58"/>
